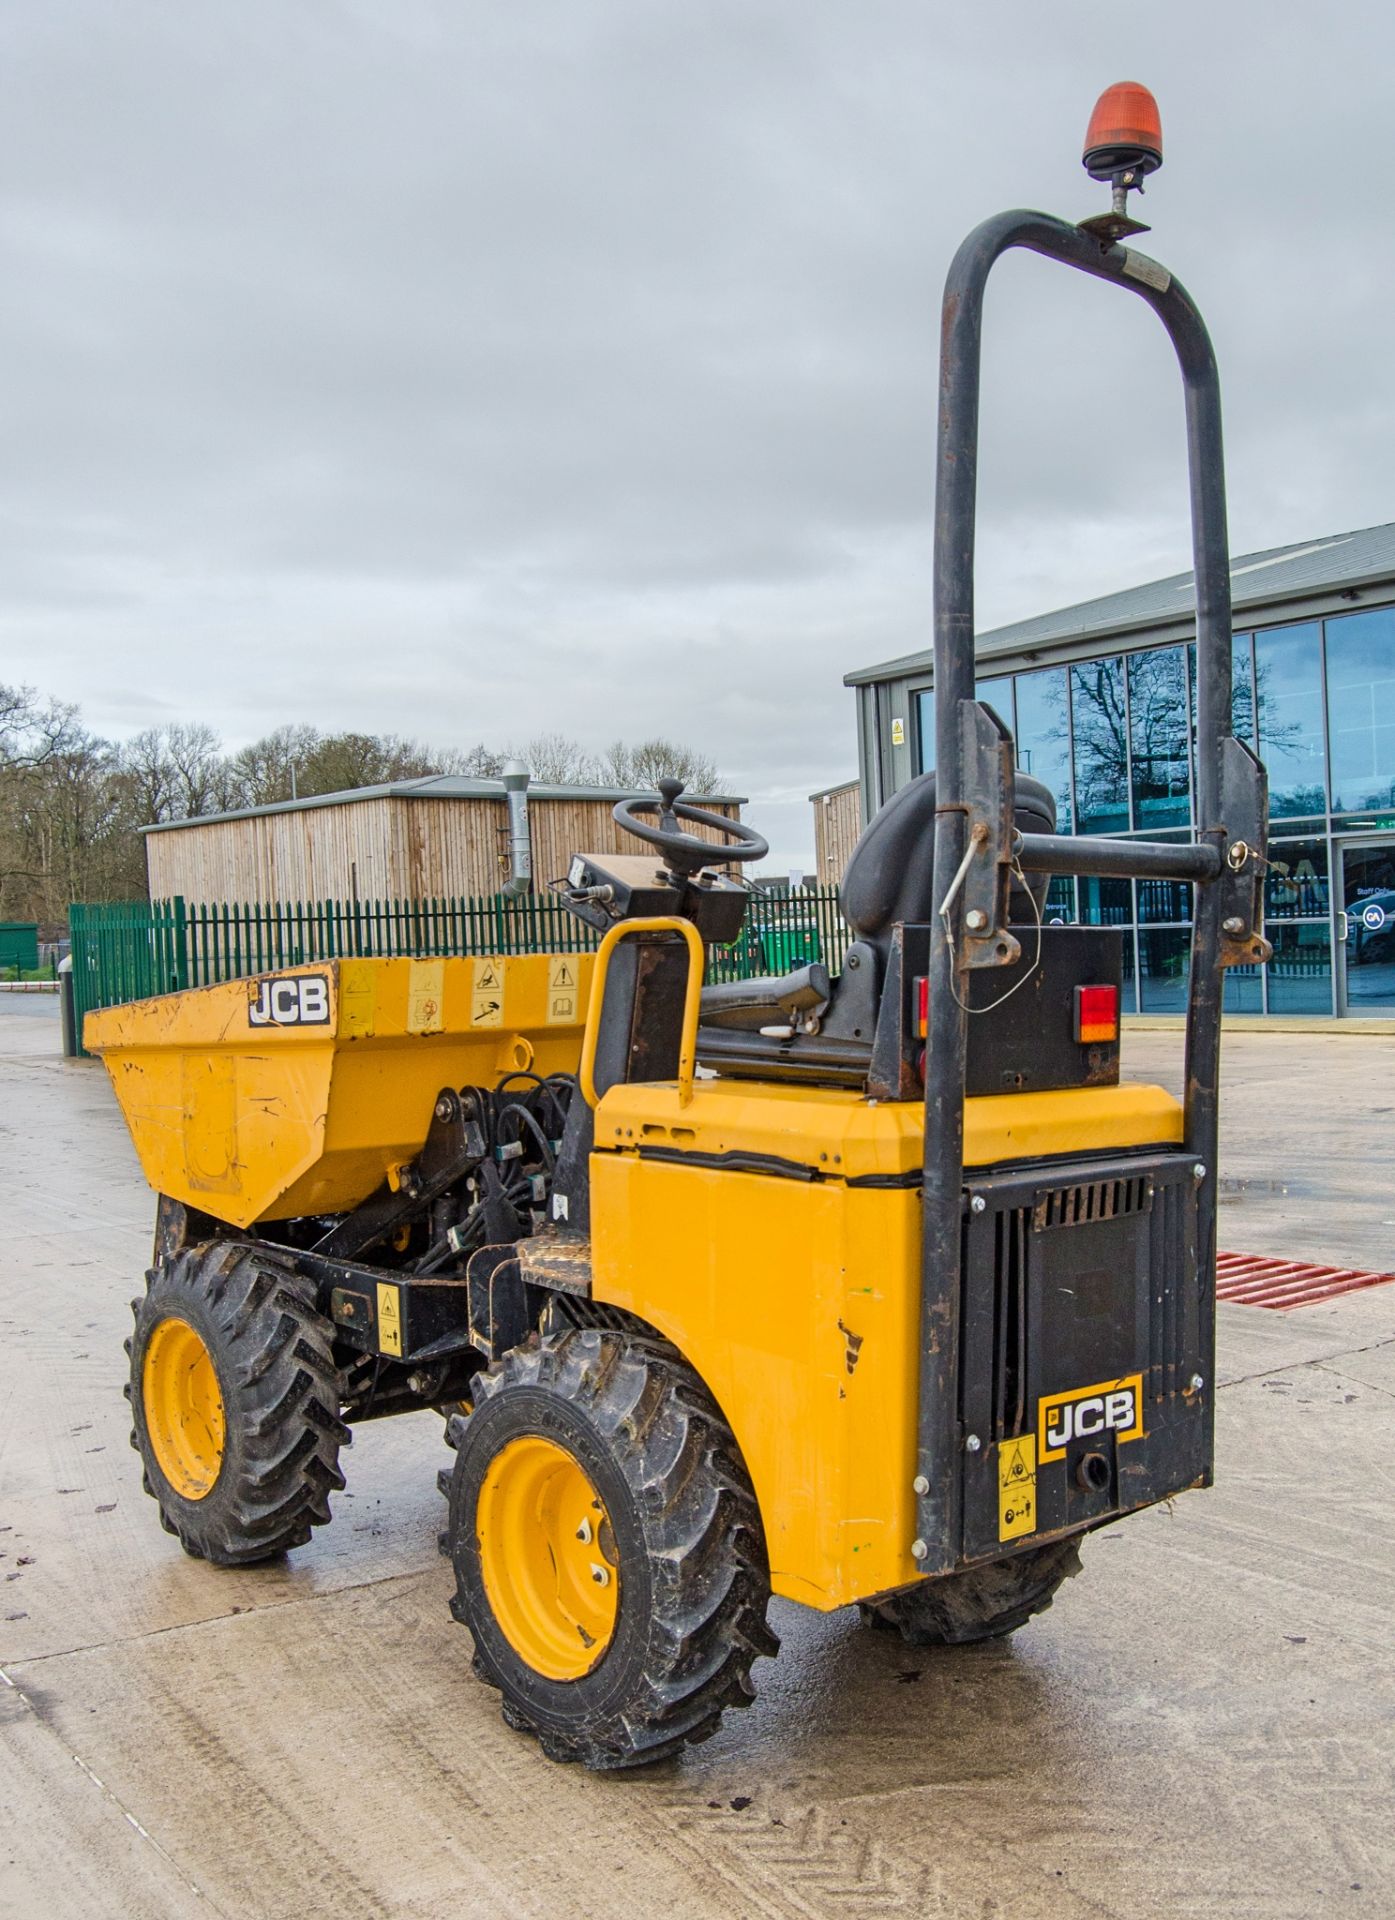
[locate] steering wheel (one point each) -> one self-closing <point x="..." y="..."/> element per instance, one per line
<point x="685" y="852"/>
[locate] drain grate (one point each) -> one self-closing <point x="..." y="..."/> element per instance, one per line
<point x="1259" y="1282"/>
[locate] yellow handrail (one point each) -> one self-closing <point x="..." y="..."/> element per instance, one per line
<point x="692" y="996"/>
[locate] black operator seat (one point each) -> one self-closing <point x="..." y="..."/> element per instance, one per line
<point x="889" y="881"/>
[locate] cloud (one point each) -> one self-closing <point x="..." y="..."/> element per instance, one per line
<point x="475" y="371"/>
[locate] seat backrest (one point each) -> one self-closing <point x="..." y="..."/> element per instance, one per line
<point x="890" y="876"/>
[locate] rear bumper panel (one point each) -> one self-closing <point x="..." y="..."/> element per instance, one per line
<point x="1085" y="1351"/>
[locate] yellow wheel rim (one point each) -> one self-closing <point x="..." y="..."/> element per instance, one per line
<point x="183" y="1408"/>
<point x="547" y="1558"/>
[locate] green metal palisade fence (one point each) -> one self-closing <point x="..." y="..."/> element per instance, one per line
<point x="129" y="950"/>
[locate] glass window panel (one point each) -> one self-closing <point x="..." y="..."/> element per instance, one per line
<point x="1300" y="973"/>
<point x="1301" y="893"/>
<point x="1242" y="991"/>
<point x="1105" y="903"/>
<point x="1128" y="998"/>
<point x="1101" y="750"/>
<point x="1164" y="900"/>
<point x="925" y="728"/>
<point x="1242" y="690"/>
<point x="1043" y="735"/>
<point x="1361" y="710"/>
<point x="1165" y="960"/>
<point x="1158" y="737"/>
<point x="997" y="693"/>
<point x="1288" y="695"/>
<point x="1059" y="909"/>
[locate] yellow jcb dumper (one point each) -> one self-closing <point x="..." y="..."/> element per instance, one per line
<point x="880" y="1288"/>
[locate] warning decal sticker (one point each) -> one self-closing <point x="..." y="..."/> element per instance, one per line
<point x="487" y="997"/>
<point x="426" y="993"/>
<point x="389" y="1318"/>
<point x="563" y="981"/>
<point x="1017" y="1486"/>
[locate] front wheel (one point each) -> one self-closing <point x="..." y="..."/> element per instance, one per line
<point x="235" y="1402"/>
<point x="978" y="1603"/>
<point x="607" y="1547"/>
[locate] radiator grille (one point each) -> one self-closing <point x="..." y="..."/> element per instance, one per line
<point x="1172" y="1305"/>
<point x="1095" y="1200"/>
<point x="1012" y="1231"/>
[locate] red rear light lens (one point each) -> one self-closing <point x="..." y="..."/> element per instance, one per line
<point x="1096" y="1014"/>
<point x="922" y="1004"/>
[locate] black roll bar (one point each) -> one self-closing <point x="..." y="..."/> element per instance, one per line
<point x="1225" y="865"/>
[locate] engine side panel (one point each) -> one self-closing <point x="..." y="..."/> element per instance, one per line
<point x="797" y="1302"/>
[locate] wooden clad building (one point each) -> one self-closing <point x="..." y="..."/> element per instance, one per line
<point x="837" y="823"/>
<point x="441" y="836"/>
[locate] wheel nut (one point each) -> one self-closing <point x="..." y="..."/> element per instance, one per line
<point x="583" y="1533"/>
<point x="600" y="1574"/>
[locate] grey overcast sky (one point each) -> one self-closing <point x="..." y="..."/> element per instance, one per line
<point x="470" y="370"/>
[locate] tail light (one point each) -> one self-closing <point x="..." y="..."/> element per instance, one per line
<point x="1096" y="1014"/>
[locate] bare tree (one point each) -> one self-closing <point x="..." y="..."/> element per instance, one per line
<point x="267" y="770"/>
<point x="475" y="763"/>
<point x="649" y="761"/>
<point x="558" y="761"/>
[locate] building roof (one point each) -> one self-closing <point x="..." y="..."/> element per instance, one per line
<point x="431" y="786"/>
<point x="842" y="786"/>
<point x="1306" y="570"/>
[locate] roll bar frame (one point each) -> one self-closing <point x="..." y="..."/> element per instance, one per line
<point x="975" y="843"/>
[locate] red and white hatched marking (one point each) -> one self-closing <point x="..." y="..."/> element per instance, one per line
<point x="1256" y="1281"/>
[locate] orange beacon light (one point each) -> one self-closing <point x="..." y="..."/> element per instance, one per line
<point x="1125" y="133"/>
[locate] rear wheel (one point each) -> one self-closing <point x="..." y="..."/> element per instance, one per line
<point x="607" y="1547"/>
<point x="979" y="1603"/>
<point x="235" y="1402"/>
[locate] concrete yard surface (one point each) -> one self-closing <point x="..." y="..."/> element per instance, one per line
<point x="1203" y="1724"/>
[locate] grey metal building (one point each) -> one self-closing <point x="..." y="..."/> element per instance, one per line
<point x="1101" y="700"/>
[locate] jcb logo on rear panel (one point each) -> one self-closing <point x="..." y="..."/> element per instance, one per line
<point x="1112" y="1406"/>
<point x="299" y="1002"/>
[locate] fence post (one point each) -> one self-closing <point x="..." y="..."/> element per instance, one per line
<point x="181" y="942"/>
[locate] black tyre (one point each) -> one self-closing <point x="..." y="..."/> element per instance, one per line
<point x="607" y="1547"/>
<point x="980" y="1603"/>
<point x="235" y="1402"/>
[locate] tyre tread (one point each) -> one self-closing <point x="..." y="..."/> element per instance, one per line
<point x="978" y="1603"/>
<point x="707" y="1555"/>
<point x="274" y="1349"/>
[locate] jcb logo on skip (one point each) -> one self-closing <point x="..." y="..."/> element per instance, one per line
<point x="299" y="1002"/>
<point x="1110" y="1406"/>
